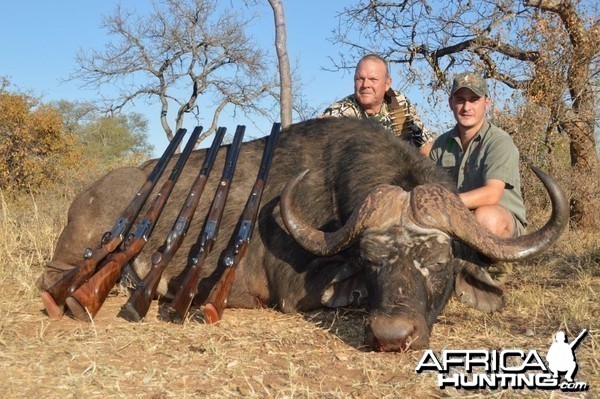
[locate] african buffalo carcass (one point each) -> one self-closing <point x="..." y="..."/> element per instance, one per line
<point x="371" y="222"/>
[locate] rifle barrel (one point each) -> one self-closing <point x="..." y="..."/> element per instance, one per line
<point x="186" y="293"/>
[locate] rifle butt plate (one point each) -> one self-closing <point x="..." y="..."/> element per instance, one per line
<point x="52" y="308"/>
<point x="79" y="312"/>
<point x="129" y="313"/>
<point x="211" y="315"/>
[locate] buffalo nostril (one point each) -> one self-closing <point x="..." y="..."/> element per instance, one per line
<point x="394" y="333"/>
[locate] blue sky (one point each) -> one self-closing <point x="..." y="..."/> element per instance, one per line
<point x="40" y="40"/>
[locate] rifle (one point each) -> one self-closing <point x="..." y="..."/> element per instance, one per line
<point x="55" y="296"/>
<point x="139" y="302"/>
<point x="86" y="300"/>
<point x="235" y="252"/>
<point x="186" y="293"/>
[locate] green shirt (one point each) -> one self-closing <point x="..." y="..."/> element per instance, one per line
<point x="490" y="155"/>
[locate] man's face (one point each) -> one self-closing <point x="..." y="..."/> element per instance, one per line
<point x="468" y="108"/>
<point x="370" y="84"/>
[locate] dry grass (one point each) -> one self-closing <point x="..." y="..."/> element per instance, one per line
<point x="263" y="353"/>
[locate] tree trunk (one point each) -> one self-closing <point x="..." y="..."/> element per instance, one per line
<point x="579" y="121"/>
<point x="285" y="76"/>
<point x="585" y="197"/>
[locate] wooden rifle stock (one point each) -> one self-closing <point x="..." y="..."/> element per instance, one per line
<point x="54" y="297"/>
<point x="138" y="304"/>
<point x="86" y="300"/>
<point x="217" y="301"/>
<point x="189" y="287"/>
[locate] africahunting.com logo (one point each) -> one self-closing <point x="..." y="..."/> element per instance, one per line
<point x="510" y="368"/>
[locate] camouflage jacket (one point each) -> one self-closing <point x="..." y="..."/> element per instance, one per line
<point x="412" y="128"/>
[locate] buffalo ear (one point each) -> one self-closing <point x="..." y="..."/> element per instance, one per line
<point x="476" y="288"/>
<point x="346" y="288"/>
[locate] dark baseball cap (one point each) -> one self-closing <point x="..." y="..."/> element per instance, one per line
<point x="471" y="81"/>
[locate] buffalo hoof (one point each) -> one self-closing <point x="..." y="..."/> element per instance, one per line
<point x="396" y="333"/>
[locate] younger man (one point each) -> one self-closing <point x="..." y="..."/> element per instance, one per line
<point x="482" y="159"/>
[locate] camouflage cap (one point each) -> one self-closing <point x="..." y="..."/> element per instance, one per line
<point x="471" y="81"/>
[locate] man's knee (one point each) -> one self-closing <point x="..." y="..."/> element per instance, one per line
<point x="496" y="219"/>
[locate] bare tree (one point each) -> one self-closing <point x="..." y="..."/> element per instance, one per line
<point x="547" y="50"/>
<point x="289" y="97"/>
<point x="285" y="75"/>
<point x="184" y="53"/>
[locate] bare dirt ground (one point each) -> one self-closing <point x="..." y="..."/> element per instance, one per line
<point x="264" y="353"/>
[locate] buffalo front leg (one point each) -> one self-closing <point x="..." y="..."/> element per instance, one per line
<point x="330" y="282"/>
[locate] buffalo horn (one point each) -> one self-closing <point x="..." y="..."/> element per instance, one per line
<point x="384" y="205"/>
<point x="434" y="206"/>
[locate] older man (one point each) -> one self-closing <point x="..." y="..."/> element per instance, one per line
<point x="482" y="159"/>
<point x="374" y="99"/>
